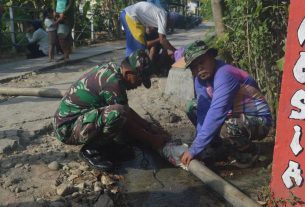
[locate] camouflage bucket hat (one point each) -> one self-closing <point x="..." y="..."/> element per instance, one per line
<point x="141" y="64"/>
<point x="196" y="49"/>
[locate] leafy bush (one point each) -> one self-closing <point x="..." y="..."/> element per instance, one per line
<point x="206" y="9"/>
<point x="254" y="40"/>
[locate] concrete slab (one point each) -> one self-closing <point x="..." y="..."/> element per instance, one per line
<point x="179" y="86"/>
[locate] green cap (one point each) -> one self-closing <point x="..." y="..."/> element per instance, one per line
<point x="196" y="49"/>
<point x="141" y="64"/>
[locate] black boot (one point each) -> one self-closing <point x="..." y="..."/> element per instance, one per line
<point x="95" y="158"/>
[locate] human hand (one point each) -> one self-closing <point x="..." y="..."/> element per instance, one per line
<point x="186" y="158"/>
<point x="61" y="16"/>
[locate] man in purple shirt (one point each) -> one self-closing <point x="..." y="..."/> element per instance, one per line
<point x="229" y="105"/>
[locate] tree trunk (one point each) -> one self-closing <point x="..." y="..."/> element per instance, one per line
<point x="218" y="15"/>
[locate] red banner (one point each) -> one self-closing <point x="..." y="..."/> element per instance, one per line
<point x="287" y="182"/>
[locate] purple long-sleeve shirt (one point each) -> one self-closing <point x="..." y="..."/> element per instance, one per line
<point x="231" y="90"/>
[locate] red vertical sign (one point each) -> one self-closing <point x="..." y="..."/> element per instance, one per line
<point x="289" y="155"/>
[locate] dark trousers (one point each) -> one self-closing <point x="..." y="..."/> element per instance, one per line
<point x="34" y="51"/>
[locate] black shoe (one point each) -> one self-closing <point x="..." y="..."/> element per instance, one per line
<point x="95" y="159"/>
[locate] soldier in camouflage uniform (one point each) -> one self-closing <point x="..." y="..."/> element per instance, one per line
<point x="95" y="110"/>
<point x="229" y="107"/>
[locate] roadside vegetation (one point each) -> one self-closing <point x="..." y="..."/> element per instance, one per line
<point x="252" y="36"/>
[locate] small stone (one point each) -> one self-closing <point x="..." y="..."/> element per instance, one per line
<point x="97" y="186"/>
<point x="84" y="167"/>
<point x="64" y="189"/>
<point x="73" y="164"/>
<point x="114" y="190"/>
<point x="76" y="172"/>
<point x="75" y="194"/>
<point x="88" y="182"/>
<point x="81" y="186"/>
<point x="72" y="177"/>
<point x="27" y="166"/>
<point x="17" y="190"/>
<point x="65" y="167"/>
<point x="54" y="165"/>
<point x="7" y="184"/>
<point x="18" y="165"/>
<point x="12" y="188"/>
<point x="106" y="180"/>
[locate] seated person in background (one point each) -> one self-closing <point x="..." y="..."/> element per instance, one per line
<point x="95" y="111"/>
<point x="38" y="40"/>
<point x="230" y="107"/>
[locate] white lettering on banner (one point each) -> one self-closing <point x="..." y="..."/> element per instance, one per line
<point x="301" y="33"/>
<point x="299" y="69"/>
<point x="292" y="175"/>
<point x="292" y="172"/>
<point x="298" y="101"/>
<point x="295" y="144"/>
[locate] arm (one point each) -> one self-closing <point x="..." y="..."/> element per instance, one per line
<point x="34" y="37"/>
<point x="152" y="43"/>
<point x="165" y="43"/>
<point x="138" y="128"/>
<point x="225" y="89"/>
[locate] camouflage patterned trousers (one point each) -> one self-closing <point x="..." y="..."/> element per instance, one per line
<point x="239" y="129"/>
<point x="103" y="123"/>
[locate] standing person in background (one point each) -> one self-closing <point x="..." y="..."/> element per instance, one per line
<point x="51" y="29"/>
<point x="145" y="14"/>
<point x="64" y="13"/>
<point x="38" y="40"/>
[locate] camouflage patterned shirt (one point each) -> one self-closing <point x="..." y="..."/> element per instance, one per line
<point x="102" y="86"/>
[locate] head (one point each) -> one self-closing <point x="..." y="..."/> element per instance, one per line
<point x="200" y="59"/>
<point x="136" y="69"/>
<point x="35" y="25"/>
<point x="48" y="13"/>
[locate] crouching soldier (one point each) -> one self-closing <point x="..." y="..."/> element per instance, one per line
<point x="94" y="111"/>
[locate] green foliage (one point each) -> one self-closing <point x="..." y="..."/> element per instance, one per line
<point x="254" y="38"/>
<point x="206" y="9"/>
